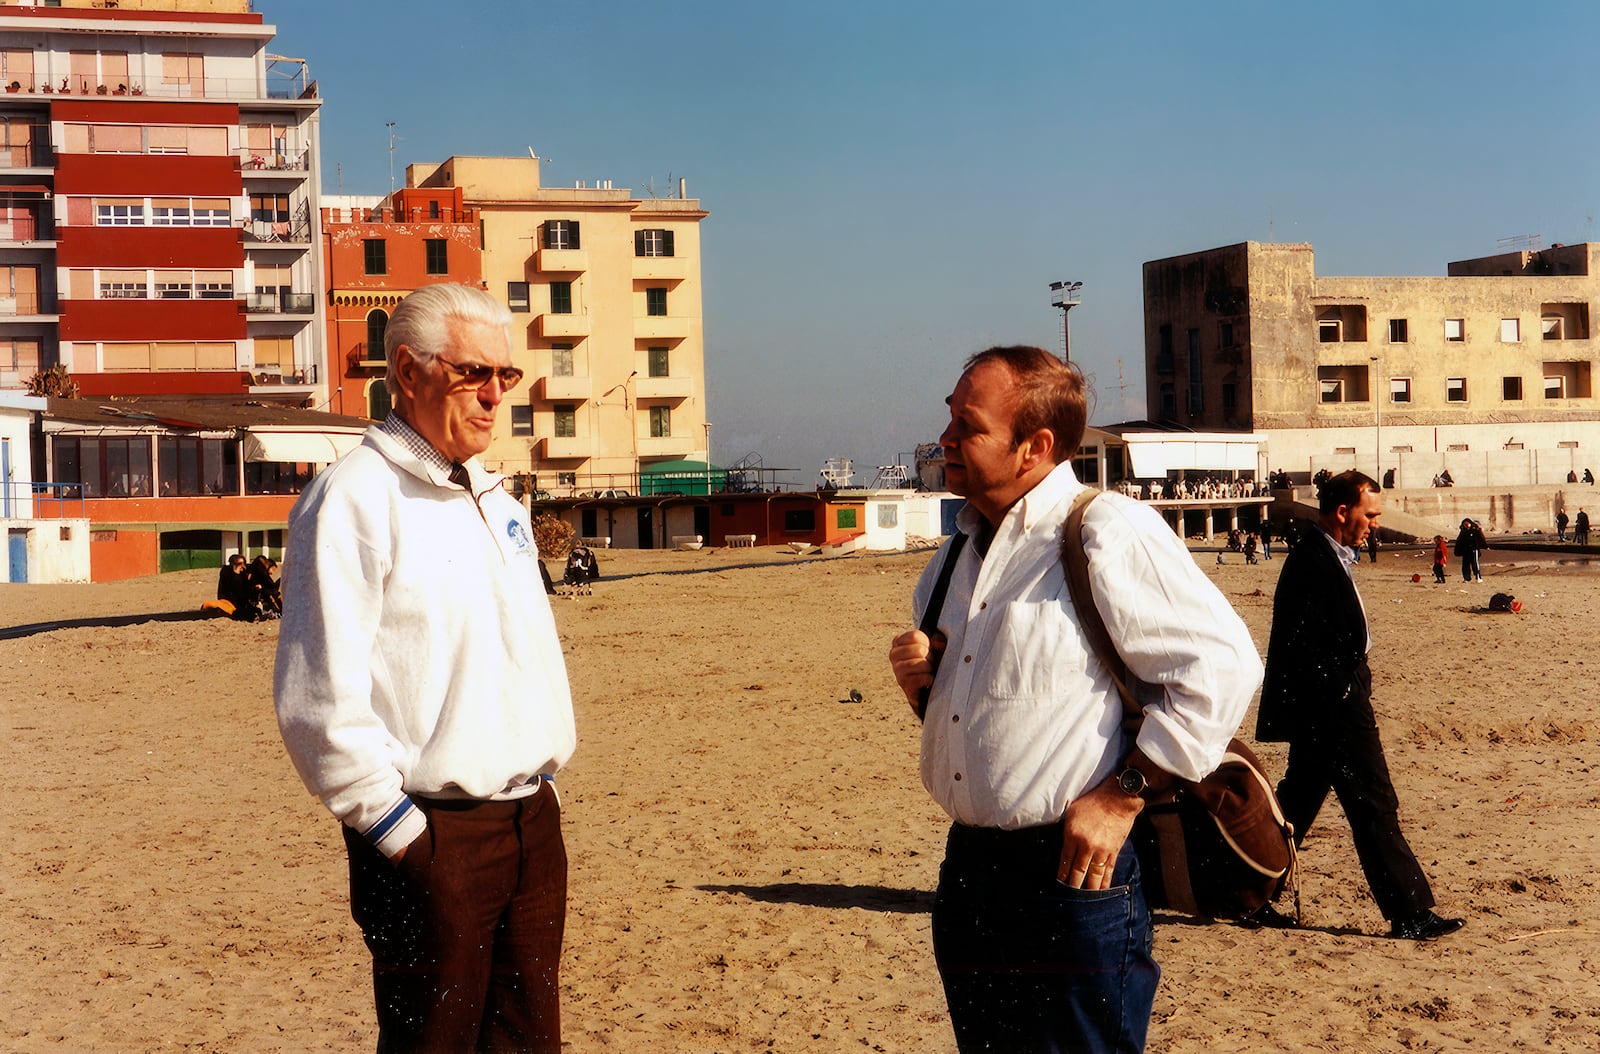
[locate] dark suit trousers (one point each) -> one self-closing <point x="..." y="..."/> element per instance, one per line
<point x="1341" y="751"/>
<point x="465" y="931"/>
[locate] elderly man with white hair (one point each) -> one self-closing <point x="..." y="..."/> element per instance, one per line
<point x="422" y="695"/>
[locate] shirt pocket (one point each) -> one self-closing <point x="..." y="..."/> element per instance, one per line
<point x="1037" y="649"/>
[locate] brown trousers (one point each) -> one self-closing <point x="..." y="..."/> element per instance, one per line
<point x="465" y="931"/>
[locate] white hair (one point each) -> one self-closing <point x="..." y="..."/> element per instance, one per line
<point x="422" y="323"/>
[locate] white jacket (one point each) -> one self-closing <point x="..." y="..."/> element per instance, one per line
<point x="417" y="652"/>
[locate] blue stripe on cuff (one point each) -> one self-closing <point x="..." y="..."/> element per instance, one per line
<point x="377" y="831"/>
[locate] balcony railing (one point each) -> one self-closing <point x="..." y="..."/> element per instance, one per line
<point x="24" y="228"/>
<point x="272" y="161"/>
<point x="268" y="376"/>
<point x="281" y="303"/>
<point x="206" y="88"/>
<point x="14" y="304"/>
<point x="28" y="155"/>
<point x="295" y="230"/>
<point x="361" y="356"/>
<point x="446" y="215"/>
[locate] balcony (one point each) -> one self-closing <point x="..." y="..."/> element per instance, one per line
<point x="276" y="377"/>
<point x="558" y="448"/>
<point x="367" y="357"/>
<point x="661" y="327"/>
<point x="31" y="307"/>
<point x="670" y="268"/>
<point x="560" y="261"/>
<point x="665" y="446"/>
<point x="36" y="154"/>
<point x="270" y="162"/>
<point x="664" y="387"/>
<point x="26" y="230"/>
<point x="551" y="325"/>
<point x="281" y="303"/>
<point x="563" y="389"/>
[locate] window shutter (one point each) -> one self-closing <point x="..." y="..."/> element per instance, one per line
<point x="638" y="243"/>
<point x="572" y="235"/>
<point x="544" y="234"/>
<point x="666" y="243"/>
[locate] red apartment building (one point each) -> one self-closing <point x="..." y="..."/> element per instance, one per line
<point x="159" y="215"/>
<point x="376" y="253"/>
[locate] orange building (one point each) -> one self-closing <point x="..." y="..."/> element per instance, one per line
<point x="375" y="252"/>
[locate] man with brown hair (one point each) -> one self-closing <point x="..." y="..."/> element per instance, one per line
<point x="1040" y="927"/>
<point x="1318" y="698"/>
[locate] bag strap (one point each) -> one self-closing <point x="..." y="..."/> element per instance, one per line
<point x="930" y="614"/>
<point x="1075" y="559"/>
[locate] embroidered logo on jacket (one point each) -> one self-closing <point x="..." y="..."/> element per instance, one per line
<point x="518" y="535"/>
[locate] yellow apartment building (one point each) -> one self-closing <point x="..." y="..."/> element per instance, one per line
<point x="605" y="290"/>
<point x="1487" y="372"/>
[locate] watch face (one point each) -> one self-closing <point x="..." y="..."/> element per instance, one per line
<point x="1132" y="781"/>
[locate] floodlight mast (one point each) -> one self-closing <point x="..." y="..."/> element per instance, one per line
<point x="1066" y="296"/>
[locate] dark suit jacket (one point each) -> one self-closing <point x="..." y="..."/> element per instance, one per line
<point x="1317" y="652"/>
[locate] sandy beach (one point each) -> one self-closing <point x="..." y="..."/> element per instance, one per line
<point x="753" y="856"/>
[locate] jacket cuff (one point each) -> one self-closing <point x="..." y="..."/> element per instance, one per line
<point x="398" y="828"/>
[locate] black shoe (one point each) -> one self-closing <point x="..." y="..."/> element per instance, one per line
<point x="1425" y="927"/>
<point x="1269" y="918"/>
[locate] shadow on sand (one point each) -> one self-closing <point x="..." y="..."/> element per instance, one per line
<point x="106" y="621"/>
<point x="835" y="895"/>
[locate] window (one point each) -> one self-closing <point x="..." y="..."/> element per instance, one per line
<point x="1455" y="389"/>
<point x="568" y="479"/>
<point x="1164" y="350"/>
<point x="1399" y="389"/>
<point x="1455" y="329"/>
<point x="198" y="466"/>
<point x="1510" y="331"/>
<point x="661" y="421"/>
<point x="845" y="519"/>
<point x="169" y="216"/>
<point x="655" y="302"/>
<point x="1332" y="390"/>
<point x="561" y="362"/>
<point x="214" y="290"/>
<point x="522" y="420"/>
<point x="1328" y="331"/>
<point x="1196" y="374"/>
<point x="652" y="243"/>
<point x="888" y="515"/>
<point x="659" y="362"/>
<point x="1550" y="326"/>
<point x="517" y="296"/>
<point x="799" y="520"/>
<point x="438" y="255"/>
<point x="433" y="209"/>
<point x="1567" y="380"/>
<point x="124" y="290"/>
<point x="566" y="426"/>
<point x="1397" y="331"/>
<point x="126" y="215"/>
<point x="1169" y="401"/>
<point x="1511" y="389"/>
<point x="561" y="234"/>
<point x="1225" y="334"/>
<point x="273" y="208"/>
<point x="376" y="255"/>
<point x="112" y="466"/>
<point x="275" y="477"/>
<point x="561" y="298"/>
<point x="172" y="290"/>
<point x="378" y="401"/>
<point x="1555" y="387"/>
<point x="377" y="327"/>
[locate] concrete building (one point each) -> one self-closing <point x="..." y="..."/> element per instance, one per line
<point x="605" y="287"/>
<point x="1487" y="373"/>
<point x="158" y="202"/>
<point x="376" y="251"/>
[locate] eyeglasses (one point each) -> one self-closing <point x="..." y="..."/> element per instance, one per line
<point x="475" y="375"/>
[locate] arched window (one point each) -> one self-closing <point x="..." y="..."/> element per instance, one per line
<point x="377" y="400"/>
<point x="377" y="324"/>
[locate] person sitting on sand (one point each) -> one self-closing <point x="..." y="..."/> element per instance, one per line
<point x="264" y="588"/>
<point x="234" y="596"/>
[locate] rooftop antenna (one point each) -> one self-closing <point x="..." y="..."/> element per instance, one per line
<point x="390" y="126"/>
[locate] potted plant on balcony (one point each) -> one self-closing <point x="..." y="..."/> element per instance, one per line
<point x="13" y="87"/>
<point x="101" y="89"/>
<point x="121" y="89"/>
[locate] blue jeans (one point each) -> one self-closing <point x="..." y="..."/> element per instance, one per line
<point x="1030" y="964"/>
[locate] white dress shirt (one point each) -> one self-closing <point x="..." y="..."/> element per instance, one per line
<point x="1348" y="558"/>
<point x="1022" y="718"/>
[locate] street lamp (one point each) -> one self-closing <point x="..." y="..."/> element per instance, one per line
<point x="708" y="460"/>
<point x="1065" y="295"/>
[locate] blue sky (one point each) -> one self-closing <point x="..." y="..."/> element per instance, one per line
<point x="893" y="186"/>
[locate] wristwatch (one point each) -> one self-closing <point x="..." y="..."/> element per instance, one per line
<point x="1132" y="782"/>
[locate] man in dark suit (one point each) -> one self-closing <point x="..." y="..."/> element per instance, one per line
<point x="1317" y="698"/>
